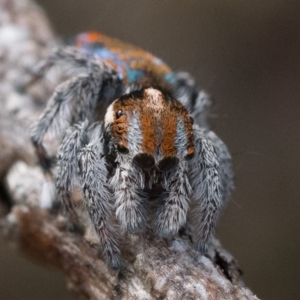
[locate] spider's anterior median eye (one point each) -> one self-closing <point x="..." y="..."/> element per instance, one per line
<point x="119" y="113"/>
<point x="122" y="149"/>
<point x="144" y="161"/>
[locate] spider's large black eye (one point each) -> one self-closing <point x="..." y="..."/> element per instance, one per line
<point x="168" y="163"/>
<point x="122" y="149"/>
<point x="143" y="161"/>
<point x="119" y="113"/>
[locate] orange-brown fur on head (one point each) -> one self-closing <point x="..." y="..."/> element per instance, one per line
<point x="158" y="116"/>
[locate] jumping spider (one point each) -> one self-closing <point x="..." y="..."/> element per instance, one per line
<point x="147" y="143"/>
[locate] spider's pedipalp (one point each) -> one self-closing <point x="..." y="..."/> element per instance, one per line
<point x="207" y="193"/>
<point x="174" y="203"/>
<point x="128" y="184"/>
<point x="97" y="198"/>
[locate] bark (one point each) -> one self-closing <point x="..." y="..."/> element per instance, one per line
<point x="153" y="268"/>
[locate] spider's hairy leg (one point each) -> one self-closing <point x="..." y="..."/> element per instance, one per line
<point x="225" y="169"/>
<point x="130" y="203"/>
<point x="194" y="99"/>
<point x="76" y="59"/>
<point x="73" y="101"/>
<point x="66" y="169"/>
<point x="207" y="194"/>
<point x="172" y="211"/>
<point x="59" y="111"/>
<point x="93" y="176"/>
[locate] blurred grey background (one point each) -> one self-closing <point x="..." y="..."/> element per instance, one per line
<point x="246" y="54"/>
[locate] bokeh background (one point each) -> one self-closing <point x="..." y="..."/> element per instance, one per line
<point x="246" y="54"/>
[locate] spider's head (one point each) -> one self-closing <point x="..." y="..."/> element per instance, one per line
<point x="151" y="127"/>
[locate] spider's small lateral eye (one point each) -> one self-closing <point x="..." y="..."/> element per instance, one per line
<point x="191" y="120"/>
<point x="119" y="113"/>
<point x="122" y="149"/>
<point x="189" y="156"/>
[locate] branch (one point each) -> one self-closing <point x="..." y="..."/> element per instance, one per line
<point x="153" y="268"/>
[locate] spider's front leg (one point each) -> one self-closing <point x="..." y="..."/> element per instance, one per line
<point x="83" y="147"/>
<point x="97" y="195"/>
<point x="207" y="193"/>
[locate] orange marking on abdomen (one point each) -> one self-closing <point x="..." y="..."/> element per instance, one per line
<point x="94" y="36"/>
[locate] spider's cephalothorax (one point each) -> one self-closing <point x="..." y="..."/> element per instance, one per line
<point x="148" y="123"/>
<point x="147" y="145"/>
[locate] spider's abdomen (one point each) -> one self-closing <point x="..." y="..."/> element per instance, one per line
<point x="132" y="64"/>
<point x="154" y="127"/>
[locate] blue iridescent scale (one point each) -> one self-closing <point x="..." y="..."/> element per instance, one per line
<point x="131" y="63"/>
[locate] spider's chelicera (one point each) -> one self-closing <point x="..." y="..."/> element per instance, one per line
<point x="153" y="143"/>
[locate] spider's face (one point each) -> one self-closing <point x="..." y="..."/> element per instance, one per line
<point x="152" y="128"/>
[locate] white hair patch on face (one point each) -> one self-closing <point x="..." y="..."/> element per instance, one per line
<point x="109" y="116"/>
<point x="181" y="140"/>
<point x="155" y="97"/>
<point x="135" y="136"/>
